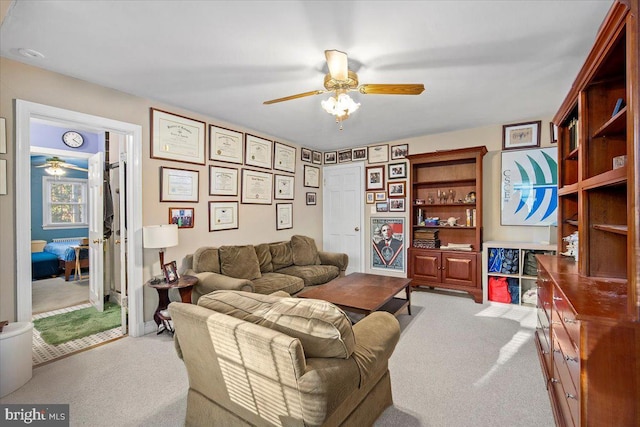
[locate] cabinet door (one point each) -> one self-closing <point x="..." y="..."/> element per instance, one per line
<point x="459" y="269"/>
<point x="426" y="266"/>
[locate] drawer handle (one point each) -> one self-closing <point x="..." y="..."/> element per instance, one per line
<point x="570" y="396"/>
<point x="567" y="320"/>
<point x="545" y="352"/>
<point x="557" y="350"/>
<point x="557" y="299"/>
<point x="553" y="380"/>
<point x="555" y="322"/>
<point x="571" y="359"/>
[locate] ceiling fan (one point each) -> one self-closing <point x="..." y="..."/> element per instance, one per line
<point x="55" y="166"/>
<point x="341" y="80"/>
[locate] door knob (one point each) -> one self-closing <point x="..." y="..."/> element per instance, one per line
<point x="117" y="242"/>
<point x="357" y="229"/>
<point x="96" y="241"/>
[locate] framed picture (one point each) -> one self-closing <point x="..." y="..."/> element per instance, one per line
<point x="370" y="197"/>
<point x="397" y="188"/>
<point x="382" y="207"/>
<point x="316" y="157"/>
<point x="379" y="153"/>
<point x="177" y="138"/>
<point x="521" y="135"/>
<point x="183" y="217"/>
<point x="223" y="216"/>
<point x="223" y="181"/>
<point x="225" y="145"/>
<point x="553" y="133"/>
<point x="284" y="216"/>
<point x="283" y="187"/>
<point x="330" y="157"/>
<point x="170" y="272"/>
<point x="257" y="151"/>
<point x="3" y="177"/>
<point x="375" y="177"/>
<point x="257" y="187"/>
<point x="311" y="199"/>
<point x="397" y="170"/>
<point x="388" y="243"/>
<point x="529" y="187"/>
<point x="284" y="157"/>
<point x="359" y="154"/>
<point x="178" y="185"/>
<point x="381" y="196"/>
<point x="396" y="205"/>
<point x="311" y="176"/>
<point x="3" y="136"/>
<point x="399" y="151"/>
<point x="305" y="155"/>
<point x="344" y="156"/>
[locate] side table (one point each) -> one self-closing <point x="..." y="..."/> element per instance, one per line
<point x="78" y="270"/>
<point x="184" y="285"/>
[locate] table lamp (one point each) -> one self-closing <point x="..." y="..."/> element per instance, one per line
<point x="160" y="237"/>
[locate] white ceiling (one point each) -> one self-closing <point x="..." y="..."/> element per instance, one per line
<point x="482" y="62"/>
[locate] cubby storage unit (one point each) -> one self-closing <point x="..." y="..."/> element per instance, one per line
<point x="523" y="272"/>
<point x="588" y="333"/>
<point x="458" y="174"/>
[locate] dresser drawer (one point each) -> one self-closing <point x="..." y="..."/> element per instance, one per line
<point x="568" y="406"/>
<point x="566" y="315"/>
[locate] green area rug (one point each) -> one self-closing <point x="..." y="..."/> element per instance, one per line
<point x="64" y="327"/>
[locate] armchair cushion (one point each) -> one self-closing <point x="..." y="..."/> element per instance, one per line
<point x="240" y="262"/>
<point x="304" y="250"/>
<point x="206" y="259"/>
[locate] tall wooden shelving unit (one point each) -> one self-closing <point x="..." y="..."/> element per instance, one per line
<point x="588" y="334"/>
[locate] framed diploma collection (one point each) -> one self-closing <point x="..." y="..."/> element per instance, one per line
<point x="258" y="152"/>
<point x="223" y="181"/>
<point x="225" y="145"/>
<point x="178" y="185"/>
<point x="177" y="138"/>
<point x="223" y="216"/>
<point x="284" y="187"/>
<point x="257" y="187"/>
<point x="284" y="157"/>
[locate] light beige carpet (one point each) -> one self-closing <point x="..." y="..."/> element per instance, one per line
<point x="54" y="293"/>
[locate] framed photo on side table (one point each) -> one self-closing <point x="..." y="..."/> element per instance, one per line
<point x="284" y="216"/>
<point x="223" y="181"/>
<point x="177" y="138"/>
<point x="170" y="272"/>
<point x="521" y="135"/>
<point x="223" y="216"/>
<point x="258" y="151"/>
<point x="225" y="145"/>
<point x="178" y="185"/>
<point x="183" y="217"/>
<point x="284" y="157"/>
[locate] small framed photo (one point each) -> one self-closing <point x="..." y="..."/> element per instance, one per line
<point x="397" y="170"/>
<point x="257" y="151"/>
<point x="396" y="205"/>
<point x="311" y="176"/>
<point x="399" y="151"/>
<point x="170" y="272"/>
<point x="225" y="145"/>
<point x="283" y="187"/>
<point x="223" y="181"/>
<point x="223" y="216"/>
<point x="311" y="199"/>
<point x="284" y="216"/>
<point x="381" y="196"/>
<point x="257" y="187"/>
<point x="370" y="197"/>
<point x="553" y="133"/>
<point x="375" y="177"/>
<point x="182" y="217"/>
<point x="330" y="157"/>
<point x="178" y="185"/>
<point x="521" y="135"/>
<point x="359" y="154"/>
<point x="316" y="157"/>
<point x="379" y="154"/>
<point x="344" y="156"/>
<point x="397" y="189"/>
<point x="177" y="138"/>
<point x="382" y="207"/>
<point x="284" y="157"/>
<point x="305" y="155"/>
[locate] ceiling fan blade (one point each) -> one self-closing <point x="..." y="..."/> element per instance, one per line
<point x="77" y="168"/>
<point x="44" y="166"/>
<point x="391" y="89"/>
<point x="338" y="64"/>
<point x="299" y="95"/>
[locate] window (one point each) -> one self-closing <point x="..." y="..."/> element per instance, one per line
<point x="64" y="203"/>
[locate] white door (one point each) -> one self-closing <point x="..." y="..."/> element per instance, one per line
<point x="343" y="212"/>
<point x="96" y="233"/>
<point x="121" y="237"/>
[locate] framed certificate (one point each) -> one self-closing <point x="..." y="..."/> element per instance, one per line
<point x="223" y="216"/>
<point x="256" y="187"/>
<point x="284" y="157"/>
<point x="178" y="185"/>
<point x="284" y="216"/>
<point x="225" y="145"/>
<point x="223" y="181"/>
<point x="177" y="138"/>
<point x="283" y="187"/>
<point x="258" y="152"/>
<point x="311" y="176"/>
<point x="379" y="154"/>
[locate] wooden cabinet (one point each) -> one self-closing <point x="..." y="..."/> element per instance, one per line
<point x="444" y="185"/>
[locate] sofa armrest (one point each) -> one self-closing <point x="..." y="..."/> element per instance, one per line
<point x="376" y="337"/>
<point x="338" y="259"/>
<point x="209" y="282"/>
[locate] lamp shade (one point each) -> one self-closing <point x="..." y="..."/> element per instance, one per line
<point x="160" y="236"/>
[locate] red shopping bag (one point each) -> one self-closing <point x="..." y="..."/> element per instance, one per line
<point x="498" y="290"/>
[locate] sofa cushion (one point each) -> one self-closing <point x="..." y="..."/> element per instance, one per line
<point x="264" y="257"/>
<point x="272" y="282"/>
<point x="206" y="259"/>
<point x="240" y="262"/>
<point x="312" y="274"/>
<point x="281" y="255"/>
<point x="304" y="250"/>
<point x="323" y="329"/>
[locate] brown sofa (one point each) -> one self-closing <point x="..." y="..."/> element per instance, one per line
<point x="267" y="360"/>
<point x="266" y="268"/>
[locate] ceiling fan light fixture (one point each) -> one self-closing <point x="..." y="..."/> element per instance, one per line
<point x="340" y="105"/>
<point x="55" y="171"/>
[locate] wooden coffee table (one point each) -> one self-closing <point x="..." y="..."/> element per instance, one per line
<point x="364" y="293"/>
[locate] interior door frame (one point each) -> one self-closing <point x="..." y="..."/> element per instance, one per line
<point x="24" y="112"/>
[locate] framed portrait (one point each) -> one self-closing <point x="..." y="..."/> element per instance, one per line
<point x="311" y="199"/>
<point x="223" y="216"/>
<point x="305" y="155"/>
<point x="529" y="187"/>
<point x="257" y="187"/>
<point x="388" y="243"/>
<point x="178" y="185"/>
<point x="177" y="138"/>
<point x="170" y="271"/>
<point x="382" y="207"/>
<point x="225" y="145"/>
<point x="330" y="157"/>
<point x="344" y="156"/>
<point x="284" y="216"/>
<point x="370" y="197"/>
<point x="182" y="217"/>
<point x="399" y="151"/>
<point x="358" y="154"/>
<point x="284" y="157"/>
<point x="381" y="196"/>
<point x="379" y="153"/>
<point x="397" y="170"/>
<point x="316" y="157"/>
<point x="284" y="186"/>
<point x="3" y="136"/>
<point x="521" y="135"/>
<point x="396" y="205"/>
<point x="223" y="181"/>
<point x="375" y="177"/>
<point x="397" y="188"/>
<point x="311" y="176"/>
<point x="257" y="151"/>
<point x="553" y="133"/>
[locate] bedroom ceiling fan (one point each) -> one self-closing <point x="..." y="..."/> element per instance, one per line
<point x="340" y="80"/>
<point x="55" y="166"/>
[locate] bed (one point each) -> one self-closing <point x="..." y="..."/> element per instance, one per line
<point x="44" y="264"/>
<point x="65" y="252"/>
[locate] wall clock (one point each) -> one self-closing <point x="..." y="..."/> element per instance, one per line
<point x="73" y="139"/>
